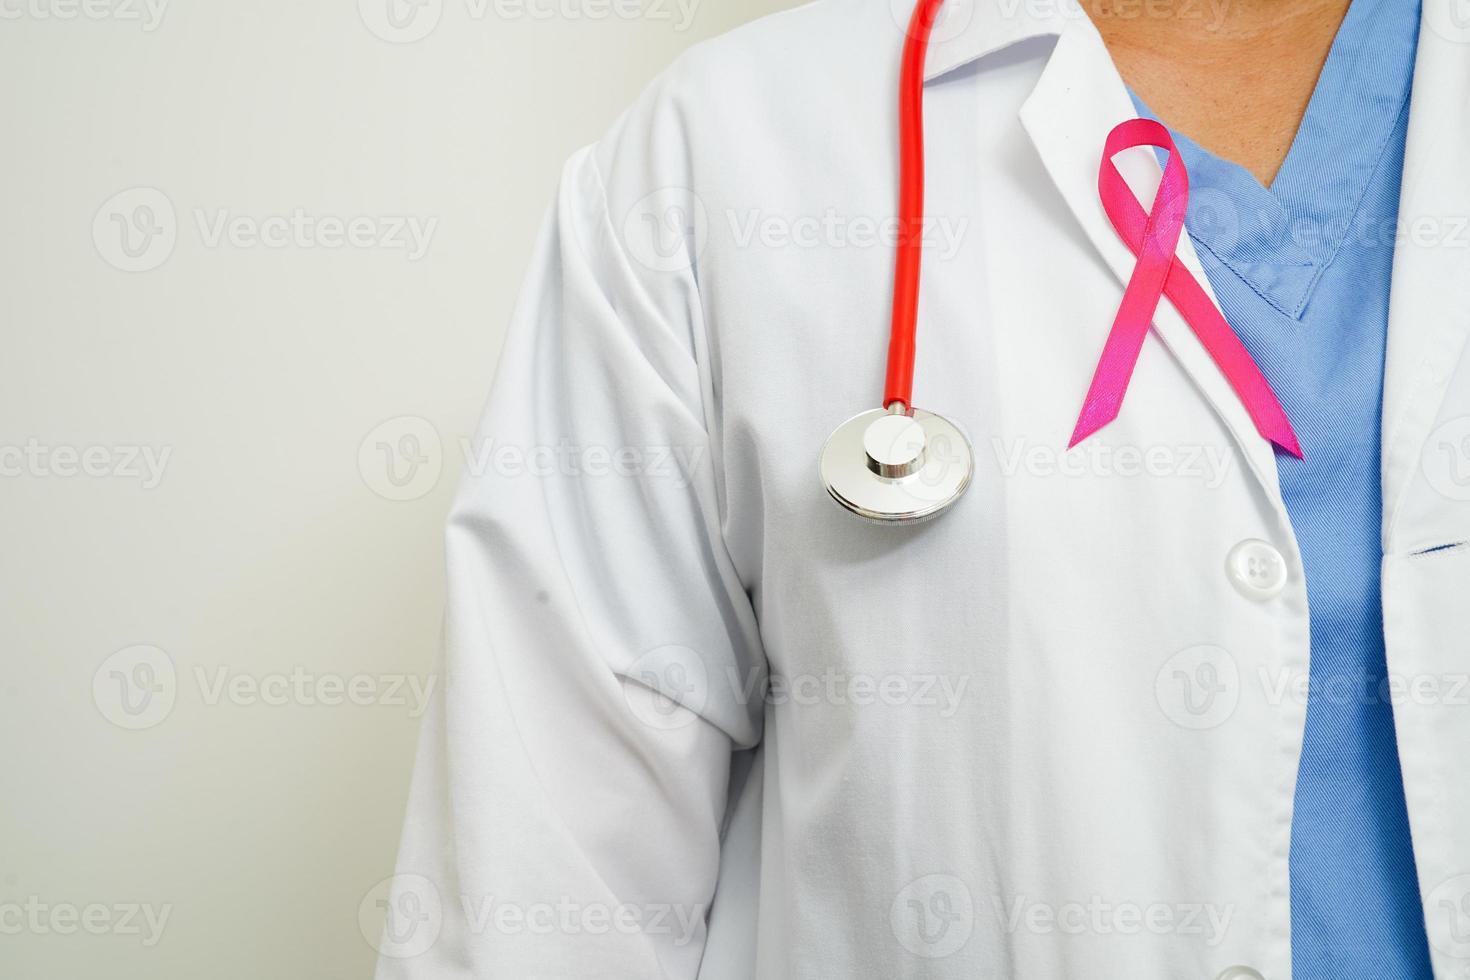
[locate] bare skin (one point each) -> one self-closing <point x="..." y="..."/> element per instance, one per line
<point x="1233" y="75"/>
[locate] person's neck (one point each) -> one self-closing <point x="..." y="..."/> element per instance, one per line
<point x="1233" y="75"/>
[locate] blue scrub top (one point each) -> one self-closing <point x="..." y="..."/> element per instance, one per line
<point x="1301" y="271"/>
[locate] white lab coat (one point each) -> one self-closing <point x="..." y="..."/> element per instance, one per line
<point x="1049" y="735"/>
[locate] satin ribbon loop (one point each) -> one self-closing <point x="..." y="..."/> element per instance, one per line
<point x="1153" y="237"/>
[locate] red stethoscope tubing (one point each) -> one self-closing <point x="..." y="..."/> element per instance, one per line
<point x="899" y="384"/>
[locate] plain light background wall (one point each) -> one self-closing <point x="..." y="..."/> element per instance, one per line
<point x="257" y="262"/>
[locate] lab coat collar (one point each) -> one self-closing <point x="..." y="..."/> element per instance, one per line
<point x="1078" y="99"/>
<point x="971" y="29"/>
<point x="1429" y="302"/>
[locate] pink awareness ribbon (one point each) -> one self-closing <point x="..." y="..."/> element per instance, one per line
<point x="1152" y="236"/>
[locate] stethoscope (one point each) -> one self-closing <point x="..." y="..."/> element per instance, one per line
<point x="899" y="464"/>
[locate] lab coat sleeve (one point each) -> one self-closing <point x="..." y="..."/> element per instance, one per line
<point x="601" y="657"/>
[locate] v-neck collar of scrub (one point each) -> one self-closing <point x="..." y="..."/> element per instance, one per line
<point x="1279" y="240"/>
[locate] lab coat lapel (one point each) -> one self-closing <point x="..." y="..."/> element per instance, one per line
<point x="1079" y="98"/>
<point x="1429" y="304"/>
<point x="971" y="29"/>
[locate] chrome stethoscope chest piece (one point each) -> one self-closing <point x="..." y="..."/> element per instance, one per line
<point x="895" y="467"/>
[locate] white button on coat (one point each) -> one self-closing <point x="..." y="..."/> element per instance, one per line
<point x="696" y="720"/>
<point x="1257" y="569"/>
<point x="1240" y="973"/>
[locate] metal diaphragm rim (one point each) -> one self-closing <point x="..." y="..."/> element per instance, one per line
<point x="948" y="469"/>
